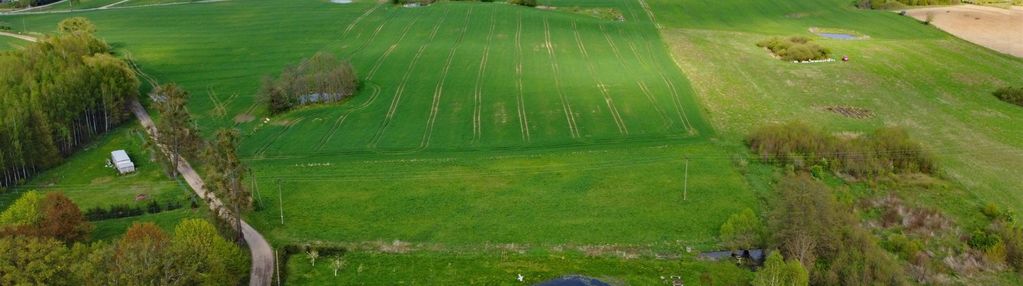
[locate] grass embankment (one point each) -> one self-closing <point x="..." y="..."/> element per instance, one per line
<point x="906" y="74"/>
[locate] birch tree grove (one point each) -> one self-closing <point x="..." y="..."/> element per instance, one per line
<point x="57" y="95"/>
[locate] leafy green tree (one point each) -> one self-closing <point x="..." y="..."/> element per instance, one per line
<point x="225" y="175"/>
<point x="33" y="261"/>
<point x="777" y="272"/>
<point x="76" y="25"/>
<point x="176" y="127"/>
<point x="24" y="211"/>
<point x="210" y="260"/>
<point x="742" y="230"/>
<point x="140" y="257"/>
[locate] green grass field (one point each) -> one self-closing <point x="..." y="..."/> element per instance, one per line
<point x="489" y="123"/>
<point x="85" y="178"/>
<point x="10" y="43"/>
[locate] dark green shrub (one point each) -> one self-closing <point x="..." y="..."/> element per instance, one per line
<point x="795" y="48"/>
<point x="1010" y="95"/>
<point x="527" y="3"/>
<point x="886" y="151"/>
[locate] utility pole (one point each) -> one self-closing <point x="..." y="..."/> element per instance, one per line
<point x="281" y="198"/>
<point x="685" y="185"/>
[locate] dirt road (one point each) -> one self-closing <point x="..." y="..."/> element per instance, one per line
<point x="996" y="28"/>
<point x="20" y="36"/>
<point x="262" y="255"/>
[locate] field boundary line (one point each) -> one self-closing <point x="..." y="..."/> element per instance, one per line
<point x="477" y="113"/>
<point x="438" y="91"/>
<point x="615" y="115"/>
<point x="565" y="104"/>
<point x="404" y="82"/>
<point x="520" y="101"/>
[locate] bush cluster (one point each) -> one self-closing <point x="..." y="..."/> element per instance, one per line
<point x="795" y="48"/>
<point x="527" y="3"/>
<point x="1010" y="95"/>
<point x="320" y="79"/>
<point x="124" y="210"/>
<point x="886" y="151"/>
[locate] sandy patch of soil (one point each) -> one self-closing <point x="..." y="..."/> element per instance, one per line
<point x="243" y="118"/>
<point x="995" y="28"/>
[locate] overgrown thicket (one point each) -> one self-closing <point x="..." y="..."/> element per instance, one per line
<point x="1010" y="95"/>
<point x="57" y="95"/>
<point x="321" y="78"/>
<point x="810" y="226"/>
<point x="527" y="3"/>
<point x="795" y="48"/>
<point x="42" y="243"/>
<point x="886" y="151"/>
<point x="30" y="3"/>
<point x="893" y="4"/>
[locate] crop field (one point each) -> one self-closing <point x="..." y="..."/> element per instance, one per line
<point x="482" y="124"/>
<point x="476" y="122"/>
<point x="905" y="74"/>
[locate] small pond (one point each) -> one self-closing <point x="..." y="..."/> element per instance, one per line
<point x="341" y="1"/>
<point x="838" y="36"/>
<point x="574" y="281"/>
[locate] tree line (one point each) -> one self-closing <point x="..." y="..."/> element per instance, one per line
<point x="57" y="95"/>
<point x="43" y="241"/>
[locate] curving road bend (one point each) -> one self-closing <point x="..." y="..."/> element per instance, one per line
<point x="261" y="273"/>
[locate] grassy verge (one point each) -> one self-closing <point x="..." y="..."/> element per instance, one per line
<point x="367" y="267"/>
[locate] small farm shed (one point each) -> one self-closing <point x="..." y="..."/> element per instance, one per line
<point x="122" y="162"/>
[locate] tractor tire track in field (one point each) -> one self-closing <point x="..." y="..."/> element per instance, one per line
<point x="622" y="128"/>
<point x="376" y="32"/>
<point x="477" y="112"/>
<point x="262" y="150"/>
<point x="341" y="119"/>
<point x="359" y="20"/>
<point x="219" y="111"/>
<point x="439" y="90"/>
<point x="380" y="61"/>
<point x="404" y="83"/>
<point x="565" y="104"/>
<point x="520" y="102"/>
<point x="650" y="97"/>
<point x="678" y="102"/>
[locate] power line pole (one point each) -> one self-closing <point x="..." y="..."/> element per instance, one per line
<point x="281" y="198"/>
<point x="685" y="185"/>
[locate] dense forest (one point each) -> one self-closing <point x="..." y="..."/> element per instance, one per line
<point x="57" y="95"/>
